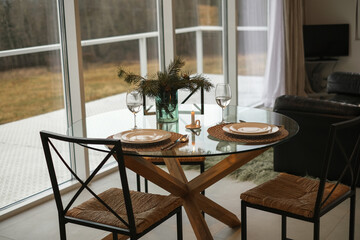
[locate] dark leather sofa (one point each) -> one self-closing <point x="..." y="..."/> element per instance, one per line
<point x="303" y="154"/>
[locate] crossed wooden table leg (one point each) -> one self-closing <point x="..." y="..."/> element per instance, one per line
<point x="177" y="184"/>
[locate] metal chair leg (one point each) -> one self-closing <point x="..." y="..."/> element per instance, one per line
<point x="138" y="185"/>
<point x="62" y="230"/>
<point x="352" y="217"/>
<point x="317" y="229"/>
<point x="243" y="221"/>
<point x="115" y="236"/>
<point x="283" y="227"/>
<point x="179" y="225"/>
<point x="202" y="169"/>
<point x="146" y="185"/>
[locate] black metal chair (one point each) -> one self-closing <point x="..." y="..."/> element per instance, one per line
<point x="119" y="211"/>
<point x="309" y="199"/>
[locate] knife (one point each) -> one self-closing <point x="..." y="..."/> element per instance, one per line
<point x="170" y="145"/>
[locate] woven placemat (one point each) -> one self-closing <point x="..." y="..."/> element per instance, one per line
<point x="150" y="147"/>
<point x="218" y="133"/>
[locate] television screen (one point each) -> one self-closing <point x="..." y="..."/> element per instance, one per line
<point x="324" y="41"/>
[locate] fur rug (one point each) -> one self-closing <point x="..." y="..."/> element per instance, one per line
<point x="258" y="170"/>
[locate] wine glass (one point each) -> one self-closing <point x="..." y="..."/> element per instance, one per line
<point x="134" y="101"/>
<point x="222" y="97"/>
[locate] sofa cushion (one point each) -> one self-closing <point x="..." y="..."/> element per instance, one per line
<point x="344" y="83"/>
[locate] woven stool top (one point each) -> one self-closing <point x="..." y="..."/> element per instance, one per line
<point x="148" y="208"/>
<point x="292" y="194"/>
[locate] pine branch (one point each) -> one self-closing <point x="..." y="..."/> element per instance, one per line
<point x="167" y="81"/>
<point x="129" y="77"/>
<point x="175" y="66"/>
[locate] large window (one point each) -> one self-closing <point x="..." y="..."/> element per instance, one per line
<point x="199" y="31"/>
<point x="32" y="95"/>
<point x="198" y="35"/>
<point x="115" y="33"/>
<point x="37" y="81"/>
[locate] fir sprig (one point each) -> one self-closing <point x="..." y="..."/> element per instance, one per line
<point x="172" y="79"/>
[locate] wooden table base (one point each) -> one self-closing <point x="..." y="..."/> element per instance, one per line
<point x="177" y="184"/>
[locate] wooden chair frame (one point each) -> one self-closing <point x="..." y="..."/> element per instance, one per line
<point x="46" y="138"/>
<point x="352" y="165"/>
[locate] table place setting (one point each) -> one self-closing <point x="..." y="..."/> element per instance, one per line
<point x="150" y="139"/>
<point x="248" y="132"/>
<point x="250" y="129"/>
<point x="143" y="136"/>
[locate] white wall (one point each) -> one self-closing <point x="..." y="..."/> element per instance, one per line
<point x="336" y="12"/>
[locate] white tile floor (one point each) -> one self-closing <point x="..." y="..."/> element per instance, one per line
<point x="41" y="222"/>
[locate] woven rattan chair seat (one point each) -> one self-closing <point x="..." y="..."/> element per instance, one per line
<point x="292" y="194"/>
<point x="148" y="208"/>
<point x="181" y="160"/>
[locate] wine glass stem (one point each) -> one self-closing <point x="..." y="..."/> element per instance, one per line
<point x="135" y="121"/>
<point x="222" y="115"/>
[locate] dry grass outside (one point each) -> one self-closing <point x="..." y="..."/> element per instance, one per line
<point x="248" y="65"/>
<point x="29" y="92"/>
<point x="208" y="15"/>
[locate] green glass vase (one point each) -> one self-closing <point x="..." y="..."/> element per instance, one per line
<point x="167" y="107"/>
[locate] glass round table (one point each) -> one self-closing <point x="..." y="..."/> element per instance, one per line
<point x="202" y="143"/>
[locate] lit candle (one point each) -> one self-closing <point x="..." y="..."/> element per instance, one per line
<point x="192" y="118"/>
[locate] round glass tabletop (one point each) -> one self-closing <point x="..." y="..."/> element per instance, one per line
<point x="200" y="142"/>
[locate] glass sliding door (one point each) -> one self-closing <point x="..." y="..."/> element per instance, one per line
<point x="32" y="95"/>
<point x="199" y="40"/>
<point x="116" y="33"/>
<point x="252" y="29"/>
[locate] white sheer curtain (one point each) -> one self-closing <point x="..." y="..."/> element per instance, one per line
<point x="252" y="45"/>
<point x="274" y="79"/>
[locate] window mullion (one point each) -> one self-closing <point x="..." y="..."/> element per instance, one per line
<point x="71" y="53"/>
<point x="230" y="47"/>
<point x="166" y="32"/>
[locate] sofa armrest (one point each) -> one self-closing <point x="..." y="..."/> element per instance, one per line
<point x="344" y="83"/>
<point x="304" y="153"/>
<point x="317" y="106"/>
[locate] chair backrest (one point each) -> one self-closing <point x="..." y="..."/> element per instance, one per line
<point x="50" y="142"/>
<point x="347" y="154"/>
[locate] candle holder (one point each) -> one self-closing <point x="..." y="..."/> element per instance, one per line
<point x="195" y="124"/>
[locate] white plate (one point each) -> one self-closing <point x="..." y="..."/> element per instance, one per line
<point x="250" y="129"/>
<point x="143" y="136"/>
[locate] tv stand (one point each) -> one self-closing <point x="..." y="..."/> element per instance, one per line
<point x="317" y="71"/>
